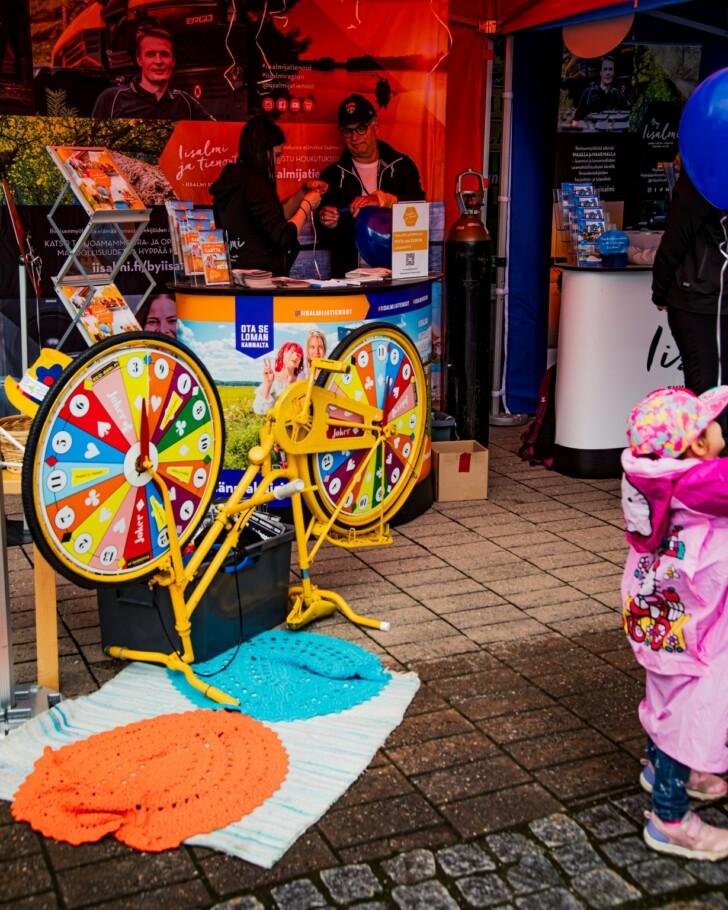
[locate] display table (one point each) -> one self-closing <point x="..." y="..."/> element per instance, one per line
<point x="239" y="333"/>
<point x="614" y="347"/>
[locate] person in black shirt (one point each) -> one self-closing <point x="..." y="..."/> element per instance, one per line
<point x="149" y="96"/>
<point x="687" y="282"/>
<point x="369" y="172"/>
<point x="262" y="231"/>
<point x="601" y="96"/>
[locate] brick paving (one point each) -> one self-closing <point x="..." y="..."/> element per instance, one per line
<point x="512" y="781"/>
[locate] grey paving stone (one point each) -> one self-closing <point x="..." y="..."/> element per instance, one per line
<point x="483" y="890"/>
<point x="532" y="873"/>
<point x="712" y="901"/>
<point x="604" y="821"/>
<point x="710" y="873"/>
<point x="553" y="899"/>
<point x="248" y="902"/>
<point x="370" y="905"/>
<point x="577" y="857"/>
<point x="425" y="896"/>
<point x="634" y="806"/>
<point x="603" y="888"/>
<point x="411" y="867"/>
<point x="464" y="859"/>
<point x="658" y="876"/>
<point x="557" y="829"/>
<point x="351" y="883"/>
<point x="509" y="847"/>
<point x="626" y="851"/>
<point x="299" y="895"/>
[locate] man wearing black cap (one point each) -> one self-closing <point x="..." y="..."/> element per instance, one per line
<point x="369" y="172"/>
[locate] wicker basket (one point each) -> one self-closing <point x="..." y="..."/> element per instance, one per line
<point x="17" y="426"/>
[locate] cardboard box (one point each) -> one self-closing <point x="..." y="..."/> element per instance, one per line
<point x="461" y="470"/>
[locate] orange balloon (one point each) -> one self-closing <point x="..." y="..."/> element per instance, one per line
<point x="592" y="39"/>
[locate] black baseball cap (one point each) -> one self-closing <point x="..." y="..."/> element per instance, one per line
<point x="355" y="109"/>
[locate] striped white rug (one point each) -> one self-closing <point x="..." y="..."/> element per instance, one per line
<point x="326" y="754"/>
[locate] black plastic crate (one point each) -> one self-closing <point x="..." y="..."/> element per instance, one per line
<point x="140" y="618"/>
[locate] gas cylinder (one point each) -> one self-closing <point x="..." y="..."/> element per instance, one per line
<point x="467" y="313"/>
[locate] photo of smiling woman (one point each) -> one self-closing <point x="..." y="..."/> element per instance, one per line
<point x="315" y="347"/>
<point x="287" y="369"/>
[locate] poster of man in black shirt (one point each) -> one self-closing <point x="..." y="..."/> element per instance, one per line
<point x="603" y="105"/>
<point x="148" y="95"/>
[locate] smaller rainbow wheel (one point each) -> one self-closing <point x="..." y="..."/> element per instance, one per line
<point x="387" y="373"/>
<point x="95" y="515"/>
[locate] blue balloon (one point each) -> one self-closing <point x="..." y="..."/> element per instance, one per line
<point x="703" y="138"/>
<point x="373" y="230"/>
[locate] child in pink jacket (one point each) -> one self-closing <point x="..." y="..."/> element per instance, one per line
<point x="675" y="609"/>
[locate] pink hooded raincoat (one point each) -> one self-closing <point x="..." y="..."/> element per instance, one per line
<point x="674" y="597"/>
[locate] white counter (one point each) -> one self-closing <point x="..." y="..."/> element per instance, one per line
<point x="614" y="347"/>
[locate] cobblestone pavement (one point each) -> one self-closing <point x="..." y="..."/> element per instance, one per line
<point x="511" y="783"/>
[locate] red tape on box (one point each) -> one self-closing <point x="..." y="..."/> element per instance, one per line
<point x="464" y="463"/>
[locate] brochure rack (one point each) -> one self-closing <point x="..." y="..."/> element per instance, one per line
<point x="91" y="177"/>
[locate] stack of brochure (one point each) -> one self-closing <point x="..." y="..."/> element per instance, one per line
<point x="369" y="274"/>
<point x="253" y="278"/>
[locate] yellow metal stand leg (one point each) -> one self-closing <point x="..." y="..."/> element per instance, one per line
<point x="46" y="622"/>
<point x="174" y="662"/>
<point x="317" y="603"/>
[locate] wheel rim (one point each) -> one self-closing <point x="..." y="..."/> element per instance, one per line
<point x="383" y="374"/>
<point x="98" y="512"/>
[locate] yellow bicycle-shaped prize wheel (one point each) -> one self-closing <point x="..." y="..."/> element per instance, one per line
<point x="124" y="454"/>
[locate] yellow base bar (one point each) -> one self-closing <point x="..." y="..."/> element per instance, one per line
<point x="322" y="603"/>
<point x="173" y="662"/>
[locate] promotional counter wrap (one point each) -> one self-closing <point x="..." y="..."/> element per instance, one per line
<point x="244" y="335"/>
<point x="615" y="346"/>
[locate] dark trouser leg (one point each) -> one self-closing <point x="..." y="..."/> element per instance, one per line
<point x="695" y="336"/>
<point x="669" y="796"/>
<point x="651" y="751"/>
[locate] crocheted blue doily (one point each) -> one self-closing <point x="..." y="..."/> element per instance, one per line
<point x="284" y="675"/>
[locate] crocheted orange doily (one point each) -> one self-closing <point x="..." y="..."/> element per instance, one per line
<point x="154" y="783"/>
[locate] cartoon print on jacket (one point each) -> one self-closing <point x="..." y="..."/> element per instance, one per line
<point x="636" y="509"/>
<point x="655" y="616"/>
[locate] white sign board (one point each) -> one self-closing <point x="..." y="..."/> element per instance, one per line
<point x="410" y="239"/>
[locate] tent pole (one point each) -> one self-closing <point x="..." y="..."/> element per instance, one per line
<point x="499" y="414"/>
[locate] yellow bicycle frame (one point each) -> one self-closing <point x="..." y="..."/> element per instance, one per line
<point x="298" y="423"/>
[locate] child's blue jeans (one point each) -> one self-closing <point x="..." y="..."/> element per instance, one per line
<point x="669" y="797"/>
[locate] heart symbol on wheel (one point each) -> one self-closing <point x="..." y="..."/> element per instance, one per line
<point x="91" y="451"/>
<point x="156" y="401"/>
<point x="120" y="526"/>
<point x="103" y="428"/>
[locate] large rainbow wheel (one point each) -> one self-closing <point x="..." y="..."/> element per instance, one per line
<point x="93" y="515"/>
<point x="386" y="372"/>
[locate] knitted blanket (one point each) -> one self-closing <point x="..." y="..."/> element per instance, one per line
<point x="326" y="753"/>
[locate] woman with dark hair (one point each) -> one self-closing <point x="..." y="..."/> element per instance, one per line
<point x="262" y="231"/>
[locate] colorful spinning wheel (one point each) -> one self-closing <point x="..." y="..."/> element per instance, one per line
<point x="96" y="516"/>
<point x="387" y="373"/>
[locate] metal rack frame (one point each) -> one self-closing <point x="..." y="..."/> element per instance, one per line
<point x="115" y="218"/>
